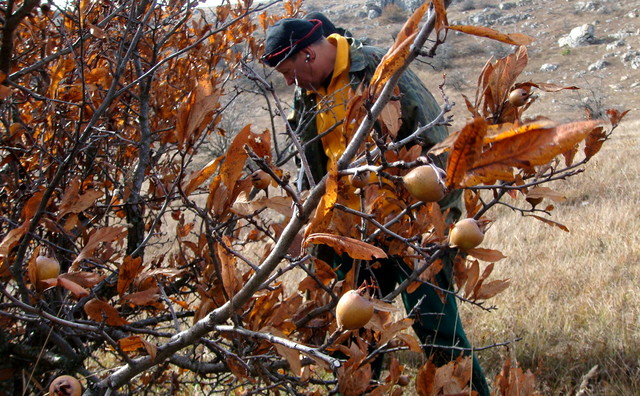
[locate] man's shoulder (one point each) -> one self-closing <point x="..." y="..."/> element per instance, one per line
<point x="364" y="56"/>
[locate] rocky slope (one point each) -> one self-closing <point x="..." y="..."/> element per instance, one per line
<point x="594" y="45"/>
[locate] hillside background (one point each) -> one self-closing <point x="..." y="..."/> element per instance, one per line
<point x="574" y="300"/>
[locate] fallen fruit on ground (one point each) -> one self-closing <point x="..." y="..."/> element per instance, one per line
<point x="518" y="97"/>
<point x="65" y="385"/>
<point x="466" y="234"/>
<point x="46" y="268"/>
<point x="425" y="183"/>
<point x="353" y="311"/>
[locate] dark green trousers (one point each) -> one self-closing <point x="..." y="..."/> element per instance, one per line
<point x="435" y="322"/>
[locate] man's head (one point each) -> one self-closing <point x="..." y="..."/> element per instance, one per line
<point x="299" y="51"/>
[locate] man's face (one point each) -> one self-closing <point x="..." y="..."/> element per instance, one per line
<point x="296" y="70"/>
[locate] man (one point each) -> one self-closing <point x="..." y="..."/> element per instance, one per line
<point x="325" y="70"/>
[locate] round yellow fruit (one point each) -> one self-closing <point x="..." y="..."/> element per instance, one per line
<point x="518" y="97"/>
<point x="466" y="234"/>
<point x="425" y="183"/>
<point x="360" y="179"/>
<point x="260" y="179"/>
<point x="353" y="311"/>
<point x="46" y="268"/>
<point x="65" y="385"/>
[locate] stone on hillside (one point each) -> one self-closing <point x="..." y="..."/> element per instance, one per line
<point x="599" y="65"/>
<point x="548" y="67"/>
<point x="578" y="37"/>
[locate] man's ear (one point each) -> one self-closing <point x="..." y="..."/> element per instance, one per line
<point x="309" y="54"/>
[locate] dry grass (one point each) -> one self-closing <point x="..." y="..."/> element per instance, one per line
<point x="574" y="298"/>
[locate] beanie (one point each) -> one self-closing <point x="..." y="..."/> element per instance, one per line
<point x="287" y="37"/>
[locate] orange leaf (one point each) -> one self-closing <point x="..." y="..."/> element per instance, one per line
<point x="74" y="202"/>
<point x="196" y="178"/>
<point x="490" y="289"/>
<point x="129" y="269"/>
<point x="230" y="280"/>
<point x="483" y="31"/>
<point x="29" y="209"/>
<point x="281" y="204"/>
<point x="546" y="192"/>
<point x="616" y="116"/>
<point x="105" y="234"/>
<point x="146" y="297"/>
<point x="355" y="248"/>
<point x="83" y="278"/>
<point x="100" y="311"/>
<point x="593" y="143"/>
<point x="323" y="213"/>
<point x="293" y="358"/>
<point x="498" y="132"/>
<point x="425" y="380"/>
<point x="196" y="111"/>
<point x="488" y="255"/>
<point x="473" y="273"/>
<point x="12" y="237"/>
<point x="5" y="92"/>
<point x="133" y="343"/>
<point x="410" y="27"/>
<point x="466" y="149"/>
<point x="390" y="117"/>
<point x="536" y="147"/>
<point x="441" y="16"/>
<point x="551" y="223"/>
<point x="77" y="290"/>
<point x="389" y="65"/>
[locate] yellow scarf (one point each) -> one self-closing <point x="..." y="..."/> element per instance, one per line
<point x="332" y="101"/>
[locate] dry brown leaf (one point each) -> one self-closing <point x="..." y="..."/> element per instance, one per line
<point x="105" y="234"/>
<point x="196" y="178"/>
<point x="148" y="296"/>
<point x="593" y="142"/>
<point x="75" y="289"/>
<point x="425" y="380"/>
<point x="101" y="311"/>
<point x="483" y="31"/>
<point x="129" y="270"/>
<point x="472" y="275"/>
<point x="195" y="111"/>
<point x="551" y="223"/>
<point x="324" y="212"/>
<point x="488" y="255"/>
<point x="465" y="151"/>
<point x="355" y="248"/>
<point x="490" y="289"/>
<point x="546" y="192"/>
<point x="292" y="356"/>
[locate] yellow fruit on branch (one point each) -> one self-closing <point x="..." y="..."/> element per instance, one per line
<point x="65" y="385"/>
<point x="353" y="311"/>
<point x="518" y="97"/>
<point x="360" y="179"/>
<point x="260" y="179"/>
<point x="46" y="268"/>
<point x="466" y="234"/>
<point x="425" y="183"/>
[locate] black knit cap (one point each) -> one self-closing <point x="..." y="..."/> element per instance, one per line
<point x="287" y="37"/>
<point x="328" y="28"/>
